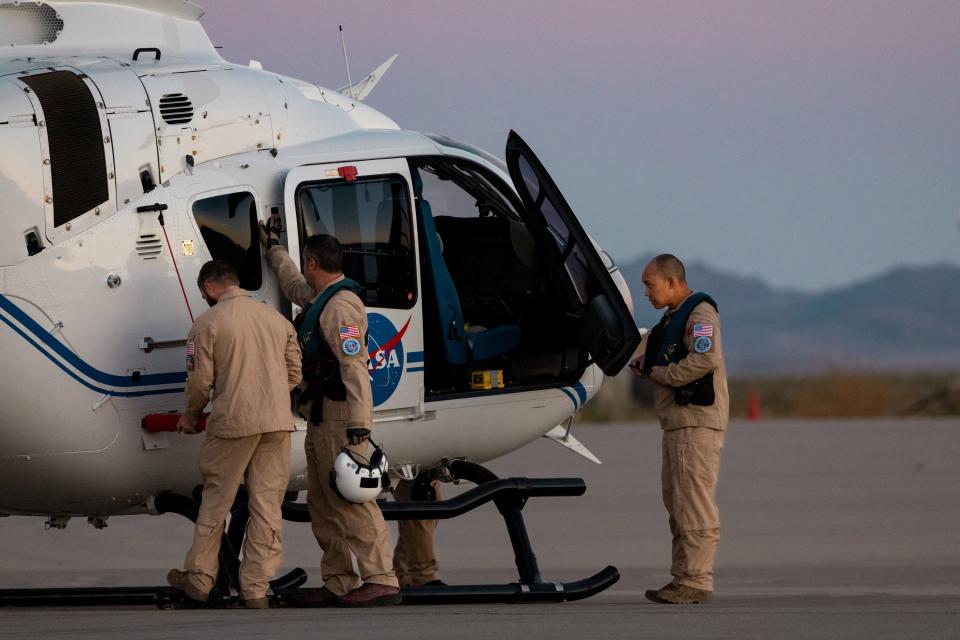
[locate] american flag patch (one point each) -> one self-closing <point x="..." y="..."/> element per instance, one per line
<point x="349" y="331"/>
<point x="702" y="330"/>
<point x="191" y="348"/>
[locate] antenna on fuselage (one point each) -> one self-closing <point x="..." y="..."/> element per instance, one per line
<point x="343" y="43"/>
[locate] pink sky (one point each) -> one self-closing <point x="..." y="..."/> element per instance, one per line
<point x="816" y="142"/>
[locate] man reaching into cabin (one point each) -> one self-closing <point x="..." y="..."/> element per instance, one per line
<point x="337" y="398"/>
<point x="248" y="354"/>
<point x="414" y="560"/>
<point x="683" y="358"/>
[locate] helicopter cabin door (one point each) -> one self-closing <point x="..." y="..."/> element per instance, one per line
<point x="608" y="332"/>
<point x="367" y="206"/>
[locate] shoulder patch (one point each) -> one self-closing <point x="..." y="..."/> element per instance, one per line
<point x="351" y="346"/>
<point x="702" y="330"/>
<point x="703" y="344"/>
<point x="349" y="331"/>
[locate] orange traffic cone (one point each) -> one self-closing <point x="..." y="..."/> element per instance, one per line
<point x="753" y="406"/>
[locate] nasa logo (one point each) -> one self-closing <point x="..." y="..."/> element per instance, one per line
<point x="385" y="345"/>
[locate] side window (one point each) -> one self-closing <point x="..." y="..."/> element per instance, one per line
<point x="371" y="219"/>
<point x="228" y="224"/>
<point x="458" y="190"/>
<point x="489" y="252"/>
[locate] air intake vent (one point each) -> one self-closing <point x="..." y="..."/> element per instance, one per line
<point x="149" y="246"/>
<point x="78" y="164"/>
<point x="176" y="108"/>
<point x="28" y="23"/>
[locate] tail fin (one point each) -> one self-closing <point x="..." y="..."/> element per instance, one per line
<point x="363" y="88"/>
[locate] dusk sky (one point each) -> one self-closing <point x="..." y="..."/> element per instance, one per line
<point x="810" y="143"/>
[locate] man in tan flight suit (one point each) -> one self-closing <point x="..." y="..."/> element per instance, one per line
<point x="682" y="356"/>
<point x="248" y="354"/>
<point x="414" y="559"/>
<point x="343" y="529"/>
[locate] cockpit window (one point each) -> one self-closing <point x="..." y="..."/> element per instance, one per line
<point x="228" y="224"/>
<point x="371" y="219"/>
<point x="462" y="191"/>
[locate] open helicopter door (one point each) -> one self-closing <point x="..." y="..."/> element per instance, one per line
<point x="367" y="205"/>
<point x="608" y="332"/>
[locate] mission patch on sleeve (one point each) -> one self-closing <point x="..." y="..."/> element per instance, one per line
<point x="703" y="344"/>
<point x="351" y="346"/>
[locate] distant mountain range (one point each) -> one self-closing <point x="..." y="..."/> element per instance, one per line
<point x="904" y="319"/>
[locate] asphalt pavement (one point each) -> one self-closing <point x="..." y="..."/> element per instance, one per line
<point x="831" y="529"/>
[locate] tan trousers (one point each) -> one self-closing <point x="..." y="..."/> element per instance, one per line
<point x="413" y="558"/>
<point x="691" y="465"/>
<point x="262" y="463"/>
<point x="343" y="529"/>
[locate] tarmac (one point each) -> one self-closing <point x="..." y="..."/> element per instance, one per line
<point x="831" y="529"/>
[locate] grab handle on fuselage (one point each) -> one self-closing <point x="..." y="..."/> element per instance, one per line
<point x="149" y="344"/>
<point x="153" y="50"/>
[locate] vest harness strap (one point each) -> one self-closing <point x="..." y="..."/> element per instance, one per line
<point x="321" y="369"/>
<point x="665" y="346"/>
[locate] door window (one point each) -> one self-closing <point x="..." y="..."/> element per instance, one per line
<point x="574" y="262"/>
<point x="608" y="331"/>
<point x="228" y="224"/>
<point x="371" y="219"/>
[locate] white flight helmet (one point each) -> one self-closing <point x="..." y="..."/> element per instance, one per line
<point x="357" y="479"/>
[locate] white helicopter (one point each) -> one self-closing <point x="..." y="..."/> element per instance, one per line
<point x="129" y="157"/>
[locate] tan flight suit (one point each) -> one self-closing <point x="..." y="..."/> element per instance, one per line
<point x="343" y="529"/>
<point x="414" y="559"/>
<point x="692" y="442"/>
<point x="249" y="353"/>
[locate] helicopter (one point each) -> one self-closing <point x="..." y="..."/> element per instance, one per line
<point x="129" y="158"/>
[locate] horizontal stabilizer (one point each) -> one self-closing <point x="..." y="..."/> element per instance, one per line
<point x="561" y="435"/>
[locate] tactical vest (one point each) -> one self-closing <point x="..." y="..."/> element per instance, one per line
<point x="665" y="346"/>
<point x="321" y="369"/>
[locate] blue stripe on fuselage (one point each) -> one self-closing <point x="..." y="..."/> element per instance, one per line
<point x="570" y="395"/>
<point x="94" y="374"/>
<point x="581" y="392"/>
<point x="125" y="394"/>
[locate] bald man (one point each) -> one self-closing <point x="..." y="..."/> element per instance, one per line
<point x="683" y="359"/>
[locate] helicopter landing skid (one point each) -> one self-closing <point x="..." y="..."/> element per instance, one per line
<point x="509" y="495"/>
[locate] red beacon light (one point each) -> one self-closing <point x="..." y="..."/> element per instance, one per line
<point x="348" y="173"/>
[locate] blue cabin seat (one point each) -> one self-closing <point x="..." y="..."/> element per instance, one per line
<point x="459" y="346"/>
